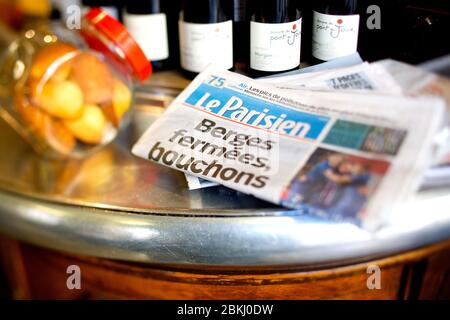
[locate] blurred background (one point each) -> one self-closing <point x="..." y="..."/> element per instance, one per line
<point x="411" y="30"/>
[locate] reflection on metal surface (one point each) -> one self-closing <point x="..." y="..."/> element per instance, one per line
<point x="300" y="241"/>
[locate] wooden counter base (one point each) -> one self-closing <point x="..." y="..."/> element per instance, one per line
<point x="36" y="273"/>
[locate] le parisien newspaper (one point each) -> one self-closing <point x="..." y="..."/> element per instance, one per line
<point x="385" y="76"/>
<point x="346" y="156"/>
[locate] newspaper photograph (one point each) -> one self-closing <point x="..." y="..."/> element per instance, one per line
<point x="337" y="155"/>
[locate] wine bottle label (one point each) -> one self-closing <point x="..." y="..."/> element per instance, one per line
<point x="334" y="36"/>
<point x="202" y="44"/>
<point x="275" y="46"/>
<point x="150" y="32"/>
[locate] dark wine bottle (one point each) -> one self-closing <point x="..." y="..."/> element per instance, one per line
<point x="147" y="23"/>
<point x="275" y="37"/>
<point x="111" y="7"/>
<point x="172" y="8"/>
<point x="335" y="29"/>
<point x="242" y="11"/>
<point x="306" y="8"/>
<point x="206" y="35"/>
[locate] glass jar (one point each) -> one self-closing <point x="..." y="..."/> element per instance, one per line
<point x="69" y="92"/>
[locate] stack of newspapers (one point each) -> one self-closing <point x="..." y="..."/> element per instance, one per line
<point x="345" y="140"/>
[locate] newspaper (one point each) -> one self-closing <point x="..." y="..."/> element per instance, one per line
<point x="418" y="82"/>
<point x="358" y="77"/>
<point x="388" y="77"/>
<point x="344" y="156"/>
<point x="195" y="183"/>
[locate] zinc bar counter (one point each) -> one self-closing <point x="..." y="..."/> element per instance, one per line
<point x="136" y="231"/>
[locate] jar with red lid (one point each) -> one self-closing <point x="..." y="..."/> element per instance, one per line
<point x="69" y="93"/>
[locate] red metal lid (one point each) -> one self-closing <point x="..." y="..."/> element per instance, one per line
<point x="119" y="39"/>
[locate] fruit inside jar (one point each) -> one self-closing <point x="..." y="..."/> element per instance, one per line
<point x="74" y="100"/>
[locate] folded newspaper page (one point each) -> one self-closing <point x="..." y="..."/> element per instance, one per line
<point x="343" y="156"/>
<point x="362" y="77"/>
<point x="417" y="82"/>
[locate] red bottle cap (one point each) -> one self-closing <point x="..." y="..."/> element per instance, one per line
<point x="112" y="38"/>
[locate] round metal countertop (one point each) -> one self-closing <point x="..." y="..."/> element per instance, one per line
<point x="114" y="205"/>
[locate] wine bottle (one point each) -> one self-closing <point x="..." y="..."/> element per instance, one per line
<point x="306" y="8"/>
<point x="335" y="29"/>
<point x="242" y="10"/>
<point x="206" y="35"/>
<point x="172" y="9"/>
<point x="111" y="7"/>
<point x="275" y="37"/>
<point x="147" y="23"/>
